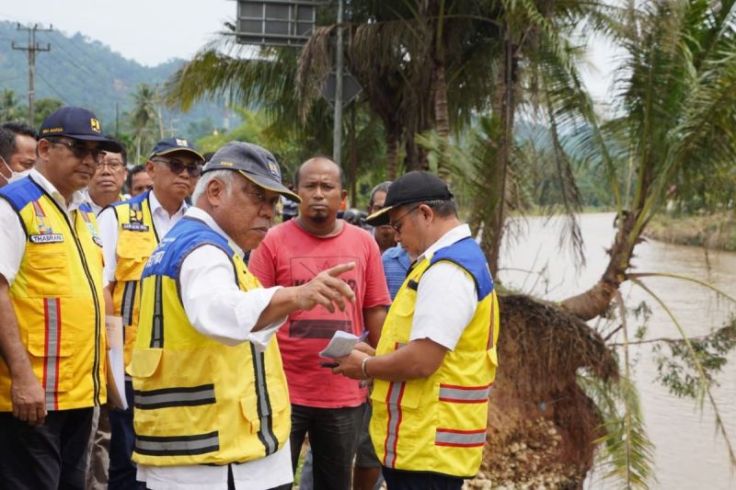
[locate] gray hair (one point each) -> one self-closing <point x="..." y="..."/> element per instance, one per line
<point x="224" y="176"/>
<point x="382" y="187"/>
<point x="444" y="208"/>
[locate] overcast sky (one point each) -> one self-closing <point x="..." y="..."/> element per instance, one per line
<point x="148" y="31"/>
<point x="154" y="31"/>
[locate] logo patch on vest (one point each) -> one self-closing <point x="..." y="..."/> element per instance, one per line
<point x="135" y="226"/>
<point x="47" y="238"/>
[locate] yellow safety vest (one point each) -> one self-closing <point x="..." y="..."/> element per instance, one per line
<point x="58" y="301"/>
<point x="137" y="239"/>
<point x="438" y="424"/>
<point x="198" y="401"/>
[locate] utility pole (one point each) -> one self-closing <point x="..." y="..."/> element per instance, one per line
<point x="32" y="47"/>
<point x="337" y="129"/>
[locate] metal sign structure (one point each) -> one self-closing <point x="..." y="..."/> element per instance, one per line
<point x="276" y="22"/>
<point x="350" y="91"/>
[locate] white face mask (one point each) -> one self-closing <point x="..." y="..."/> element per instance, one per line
<point x="13" y="175"/>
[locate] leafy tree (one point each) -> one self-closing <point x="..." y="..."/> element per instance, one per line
<point x="10" y="108"/>
<point x="43" y="108"/>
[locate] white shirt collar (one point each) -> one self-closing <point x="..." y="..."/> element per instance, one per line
<point x="202" y="215"/>
<point x="156" y="205"/>
<point x="454" y="235"/>
<point x="77" y="197"/>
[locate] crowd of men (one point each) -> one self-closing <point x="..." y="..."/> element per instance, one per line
<point x="225" y="313"/>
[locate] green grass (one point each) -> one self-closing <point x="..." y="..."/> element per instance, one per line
<point x="716" y="231"/>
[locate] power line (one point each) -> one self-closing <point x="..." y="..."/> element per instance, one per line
<point x="53" y="89"/>
<point x="31" y="48"/>
<point x="79" y="67"/>
<point x="5" y="80"/>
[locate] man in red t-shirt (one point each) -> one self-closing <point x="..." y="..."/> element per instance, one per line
<point x="326" y="407"/>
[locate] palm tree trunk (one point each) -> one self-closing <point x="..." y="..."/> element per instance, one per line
<point x="503" y="109"/>
<point x="596" y="300"/>
<point x="392" y="153"/>
<point x="353" y="159"/>
<point x="442" y="120"/>
<point x="439" y="77"/>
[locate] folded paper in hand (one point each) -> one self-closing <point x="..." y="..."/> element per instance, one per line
<point x="115" y="363"/>
<point x="342" y="343"/>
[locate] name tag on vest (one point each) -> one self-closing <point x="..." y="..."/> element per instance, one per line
<point x="47" y="238"/>
<point x="135" y="227"/>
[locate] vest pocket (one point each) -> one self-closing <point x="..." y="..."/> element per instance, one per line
<point x="144" y="362"/>
<point x="48" y="272"/>
<point x="133" y="251"/>
<point x="130" y="268"/>
<point x="255" y="409"/>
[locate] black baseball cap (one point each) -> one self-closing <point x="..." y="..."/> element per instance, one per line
<point x="79" y="124"/>
<point x="254" y="163"/>
<point x="175" y="144"/>
<point x="416" y="186"/>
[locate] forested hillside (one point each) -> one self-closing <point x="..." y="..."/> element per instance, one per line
<point x="81" y="71"/>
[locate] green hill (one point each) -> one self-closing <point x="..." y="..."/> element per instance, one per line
<point x="84" y="72"/>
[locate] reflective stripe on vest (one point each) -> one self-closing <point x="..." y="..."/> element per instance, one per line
<point x="460" y="438"/>
<point x="52" y="314"/>
<point x="199" y="401"/>
<point x="265" y="434"/>
<point x="464" y="394"/>
<point x="126" y="309"/>
<point x="62" y="263"/>
<point x="175" y="397"/>
<point x="438" y="423"/>
<point x="157" y="337"/>
<point x="178" y="445"/>
<point x="393" y="403"/>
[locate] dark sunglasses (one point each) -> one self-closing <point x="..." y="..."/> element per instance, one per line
<point x="80" y="151"/>
<point x="177" y="166"/>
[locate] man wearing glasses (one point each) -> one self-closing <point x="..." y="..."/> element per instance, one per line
<point x="107" y="183"/>
<point x="103" y="190"/>
<point x="130" y="231"/>
<point x="52" y="330"/>
<point x="436" y="359"/>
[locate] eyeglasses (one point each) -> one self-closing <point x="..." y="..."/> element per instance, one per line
<point x="80" y="151"/>
<point x="396" y="225"/>
<point x="114" y="165"/>
<point x="258" y="196"/>
<point x="177" y="166"/>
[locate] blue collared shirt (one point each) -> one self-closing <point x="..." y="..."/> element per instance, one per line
<point x="396" y="263"/>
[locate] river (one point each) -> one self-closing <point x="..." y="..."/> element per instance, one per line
<point x="688" y="452"/>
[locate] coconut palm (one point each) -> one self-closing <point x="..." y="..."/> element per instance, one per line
<point x="676" y="118"/>
<point x="145" y="119"/>
<point x="264" y="79"/>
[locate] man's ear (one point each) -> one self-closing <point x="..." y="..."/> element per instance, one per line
<point x="426" y="211"/>
<point x="42" y="149"/>
<point x="150" y="168"/>
<point x="215" y="192"/>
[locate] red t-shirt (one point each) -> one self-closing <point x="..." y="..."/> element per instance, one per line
<point x="289" y="256"/>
